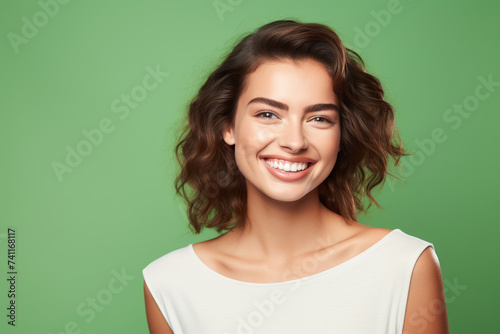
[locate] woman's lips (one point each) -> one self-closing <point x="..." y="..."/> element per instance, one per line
<point x="284" y="174"/>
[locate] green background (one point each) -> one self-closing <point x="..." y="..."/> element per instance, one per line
<point x="116" y="211"/>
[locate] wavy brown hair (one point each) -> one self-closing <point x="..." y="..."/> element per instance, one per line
<point x="209" y="179"/>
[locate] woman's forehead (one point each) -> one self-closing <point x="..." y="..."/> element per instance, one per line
<point x="303" y="81"/>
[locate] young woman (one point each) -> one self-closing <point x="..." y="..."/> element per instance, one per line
<point x="285" y="139"/>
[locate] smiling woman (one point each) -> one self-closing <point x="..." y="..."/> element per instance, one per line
<point x="284" y="140"/>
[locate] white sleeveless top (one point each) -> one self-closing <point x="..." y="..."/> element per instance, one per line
<point x="366" y="294"/>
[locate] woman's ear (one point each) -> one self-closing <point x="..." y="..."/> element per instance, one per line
<point x="228" y="135"/>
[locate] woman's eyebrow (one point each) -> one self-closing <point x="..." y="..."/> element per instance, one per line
<point x="282" y="106"/>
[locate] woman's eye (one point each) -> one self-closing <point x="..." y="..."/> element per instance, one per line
<point x="320" y="119"/>
<point x="266" y="114"/>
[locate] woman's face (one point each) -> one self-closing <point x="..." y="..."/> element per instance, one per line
<point x="286" y="130"/>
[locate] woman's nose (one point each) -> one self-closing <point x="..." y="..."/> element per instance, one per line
<point x="292" y="137"/>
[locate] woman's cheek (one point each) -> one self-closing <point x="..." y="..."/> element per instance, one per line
<point x="264" y="135"/>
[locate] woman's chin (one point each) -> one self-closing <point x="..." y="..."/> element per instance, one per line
<point x="288" y="197"/>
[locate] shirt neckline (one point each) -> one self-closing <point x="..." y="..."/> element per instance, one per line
<point x="301" y="279"/>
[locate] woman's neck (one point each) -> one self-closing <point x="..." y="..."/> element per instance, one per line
<point x="286" y="229"/>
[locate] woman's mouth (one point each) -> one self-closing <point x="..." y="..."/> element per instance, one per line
<point x="287" y="166"/>
<point x="286" y="170"/>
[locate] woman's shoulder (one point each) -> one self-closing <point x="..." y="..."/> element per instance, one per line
<point x="372" y="234"/>
<point x="386" y="243"/>
<point x="398" y="247"/>
<point x="170" y="262"/>
<point x="405" y="240"/>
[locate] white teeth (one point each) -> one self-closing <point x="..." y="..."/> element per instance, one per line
<point x="287" y="165"/>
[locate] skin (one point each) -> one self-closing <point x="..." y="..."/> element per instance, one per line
<point x="286" y="223"/>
